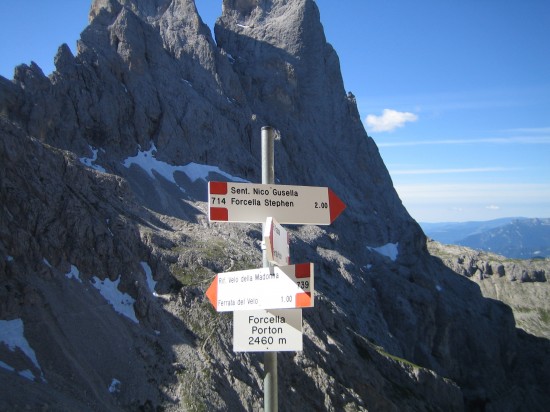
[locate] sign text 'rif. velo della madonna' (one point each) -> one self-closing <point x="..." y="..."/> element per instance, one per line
<point x="265" y="288"/>
<point x="254" y="203"/>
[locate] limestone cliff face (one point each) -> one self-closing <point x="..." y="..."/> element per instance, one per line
<point x="291" y="78"/>
<point x="106" y="250"/>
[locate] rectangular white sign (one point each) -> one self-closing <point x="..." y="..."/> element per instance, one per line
<point x="254" y="203"/>
<point x="273" y="330"/>
<point x="265" y="288"/>
<point x="276" y="241"/>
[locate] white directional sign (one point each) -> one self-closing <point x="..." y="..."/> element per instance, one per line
<point x="276" y="241"/>
<point x="254" y="203"/>
<point x="267" y="330"/>
<point x="264" y="288"/>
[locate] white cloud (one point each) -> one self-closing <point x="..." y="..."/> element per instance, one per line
<point x="479" y="193"/>
<point x="529" y="130"/>
<point x="490" y="140"/>
<point x="438" y="103"/>
<point x="451" y="171"/>
<point x="389" y="120"/>
<point x="453" y="202"/>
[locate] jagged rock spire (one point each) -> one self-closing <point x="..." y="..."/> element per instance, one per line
<point x="147" y="9"/>
<point x="177" y="21"/>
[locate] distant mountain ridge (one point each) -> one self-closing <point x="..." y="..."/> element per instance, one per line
<point x="520" y="284"/>
<point x="514" y="237"/>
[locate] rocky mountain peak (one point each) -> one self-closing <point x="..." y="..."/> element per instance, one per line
<point x="294" y="15"/>
<point x="176" y="21"/>
<point x="147" y="10"/>
<point x="288" y="31"/>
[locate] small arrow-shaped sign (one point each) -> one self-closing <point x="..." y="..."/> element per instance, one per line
<point x="254" y="203"/>
<point x="265" y="288"/>
<point x="276" y="241"/>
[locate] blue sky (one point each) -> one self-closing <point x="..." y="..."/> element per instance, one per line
<point x="455" y="93"/>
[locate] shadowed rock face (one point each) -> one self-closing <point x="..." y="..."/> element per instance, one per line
<point x="87" y="236"/>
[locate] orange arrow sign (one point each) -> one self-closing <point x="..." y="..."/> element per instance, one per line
<point x="212" y="292"/>
<point x="265" y="288"/>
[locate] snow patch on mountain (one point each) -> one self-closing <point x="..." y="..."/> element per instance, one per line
<point x="389" y="250"/>
<point x="121" y="302"/>
<point x="90" y="161"/>
<point x="149" y="277"/>
<point x="74" y="273"/>
<point x="13" y="336"/>
<point x="194" y="171"/>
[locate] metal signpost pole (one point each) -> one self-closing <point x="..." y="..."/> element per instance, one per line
<point x="270" y="358"/>
<point x="285" y="289"/>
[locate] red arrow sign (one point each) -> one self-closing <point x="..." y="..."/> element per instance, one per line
<point x="336" y="205"/>
<point x="254" y="203"/>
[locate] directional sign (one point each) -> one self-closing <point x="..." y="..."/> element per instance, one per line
<point x="267" y="330"/>
<point x="276" y="240"/>
<point x="264" y="288"/>
<point x="254" y="203"/>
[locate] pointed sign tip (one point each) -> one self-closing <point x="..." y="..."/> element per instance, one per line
<point x="212" y="293"/>
<point x="335" y="204"/>
<point x="304" y="300"/>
